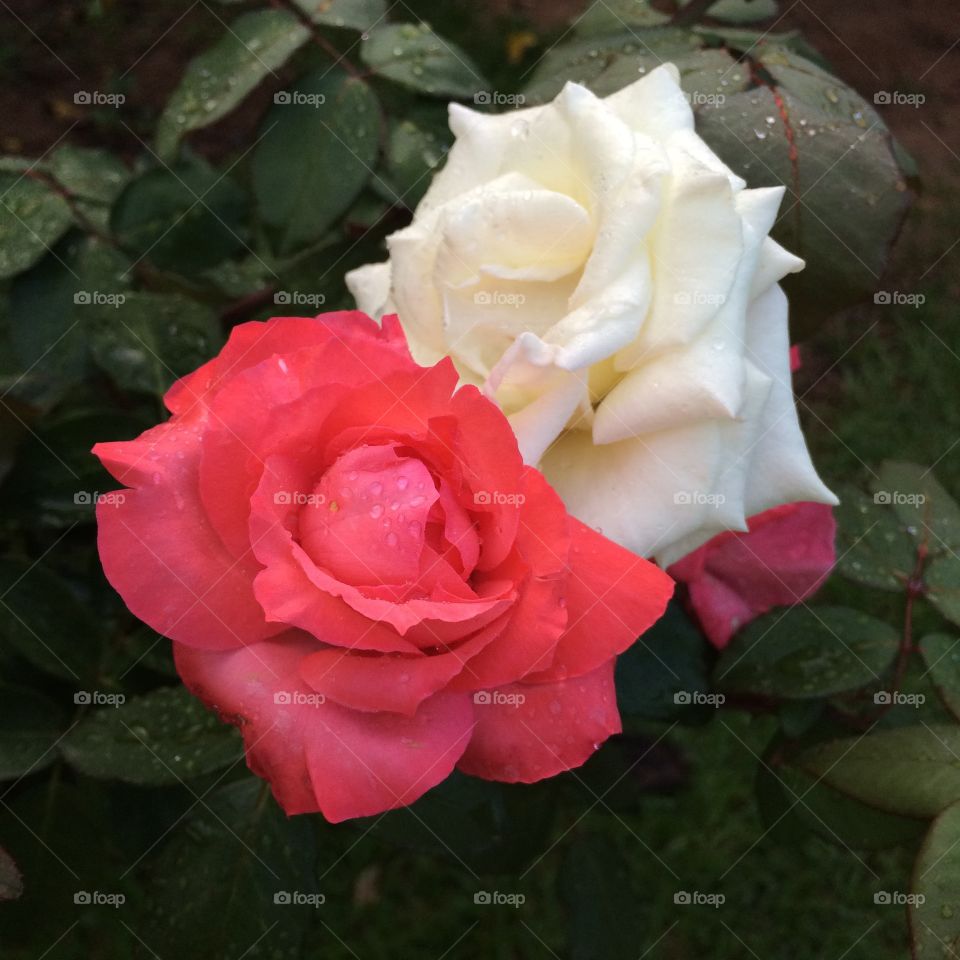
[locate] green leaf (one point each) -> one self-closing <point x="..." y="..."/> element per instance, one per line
<point x="349" y="14"/>
<point x="941" y="653"/>
<point x="922" y="505"/>
<point x="415" y="57"/>
<point x="213" y="887"/>
<point x="609" y="63"/>
<point x="793" y="807"/>
<point x="317" y="273"/>
<point x="166" y="736"/>
<point x="317" y="151"/>
<point x="95" y="175"/>
<point x="737" y="38"/>
<point x="846" y="194"/>
<point x="46" y="339"/>
<point x="798" y="716"/>
<point x="614" y="16"/>
<point x="237" y="278"/>
<point x="416" y="147"/>
<point x="743" y="11"/>
<point x="30" y="725"/>
<point x="11" y="164"/>
<point x="666" y="661"/>
<point x="873" y="547"/>
<point x="942" y="580"/>
<point x="602" y="916"/>
<point x="32" y="219"/>
<point x="45" y="623"/>
<point x="913" y="771"/>
<point x="934" y="909"/>
<point x="149" y="340"/>
<point x="807" y="653"/>
<point x="185" y="218"/>
<point x="254" y="46"/>
<point x="141" y="647"/>
<point x="60" y="491"/>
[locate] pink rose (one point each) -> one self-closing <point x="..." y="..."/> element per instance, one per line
<point x="783" y="559"/>
<point x="357" y="569"/>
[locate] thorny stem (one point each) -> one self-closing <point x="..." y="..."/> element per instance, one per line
<point x="915" y="588"/>
<point x="317" y="37"/>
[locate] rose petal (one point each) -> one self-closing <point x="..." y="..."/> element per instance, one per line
<point x="735" y="577"/>
<point x="613" y="596"/>
<point x="369" y="524"/>
<point x="250" y="344"/>
<point x="527" y="732"/>
<point x="396" y="684"/>
<point x="321" y="756"/>
<point x="160" y="553"/>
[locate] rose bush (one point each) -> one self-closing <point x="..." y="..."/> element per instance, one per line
<point x="601" y="274"/>
<point x="359" y="571"/>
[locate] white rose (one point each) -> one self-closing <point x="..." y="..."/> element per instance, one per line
<point x="597" y="270"/>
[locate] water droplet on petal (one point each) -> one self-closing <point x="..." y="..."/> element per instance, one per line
<point x="520" y="129"/>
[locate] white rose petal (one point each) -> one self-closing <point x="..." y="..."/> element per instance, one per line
<point x="607" y="280"/>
